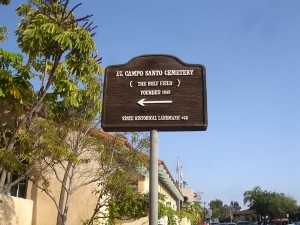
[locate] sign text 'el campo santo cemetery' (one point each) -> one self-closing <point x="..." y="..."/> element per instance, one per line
<point x="154" y="92"/>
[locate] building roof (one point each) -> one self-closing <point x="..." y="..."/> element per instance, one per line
<point x="245" y="212"/>
<point x="166" y="178"/>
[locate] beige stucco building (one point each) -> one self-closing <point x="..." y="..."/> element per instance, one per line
<point x="38" y="208"/>
<point x="189" y="194"/>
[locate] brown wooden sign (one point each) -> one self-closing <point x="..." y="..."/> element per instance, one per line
<point x="154" y="92"/>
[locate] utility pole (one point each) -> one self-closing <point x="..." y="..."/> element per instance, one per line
<point x="178" y="171"/>
<point x="204" y="212"/>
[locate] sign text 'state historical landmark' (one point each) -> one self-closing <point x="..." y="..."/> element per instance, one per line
<point x="155" y="92"/>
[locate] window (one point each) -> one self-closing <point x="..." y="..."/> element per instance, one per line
<point x="18" y="190"/>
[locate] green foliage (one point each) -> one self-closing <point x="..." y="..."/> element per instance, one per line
<point x="15" y="88"/>
<point x="216" y="204"/>
<point x="44" y="138"/>
<point x="51" y="29"/>
<point x="129" y="204"/>
<point x="138" y="140"/>
<point x="52" y="126"/>
<point x="4" y="2"/>
<point x="3" y="31"/>
<point x="39" y="145"/>
<point x="173" y="215"/>
<point x="273" y="204"/>
<point x="61" y="54"/>
<point x="46" y="33"/>
<point x="16" y="94"/>
<point x="118" y="179"/>
<point x="192" y="211"/>
<point x="222" y="212"/>
<point x="235" y="206"/>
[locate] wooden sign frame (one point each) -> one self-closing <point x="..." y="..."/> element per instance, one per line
<point x="155" y="92"/>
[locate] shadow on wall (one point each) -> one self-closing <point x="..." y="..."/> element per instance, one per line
<point x="15" y="211"/>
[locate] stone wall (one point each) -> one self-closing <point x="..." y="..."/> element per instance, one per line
<point x="15" y="211"/>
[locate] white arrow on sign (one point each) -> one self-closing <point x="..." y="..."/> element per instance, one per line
<point x="143" y="101"/>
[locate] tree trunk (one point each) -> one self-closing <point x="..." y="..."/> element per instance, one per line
<point x="2" y="181"/>
<point x="60" y="212"/>
<point x="68" y="198"/>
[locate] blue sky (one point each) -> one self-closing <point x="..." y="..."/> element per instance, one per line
<point x="251" y="51"/>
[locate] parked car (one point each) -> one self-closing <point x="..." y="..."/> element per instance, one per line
<point x="227" y="223"/>
<point x="214" y="223"/>
<point x="244" y="223"/>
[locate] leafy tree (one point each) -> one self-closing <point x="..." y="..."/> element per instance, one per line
<point x="235" y="206"/>
<point x="128" y="204"/>
<point x="257" y="200"/>
<point x="282" y="204"/>
<point x="226" y="213"/>
<point x="79" y="157"/>
<point x="117" y="184"/>
<point x="273" y="204"/>
<point x="190" y="210"/>
<point x="216" y="204"/>
<point x="3" y="31"/>
<point x="193" y="211"/>
<point x="61" y="54"/>
<point x="68" y="145"/>
<point x="16" y="92"/>
<point x="222" y="212"/>
<point x="251" y="196"/>
<point x="64" y="154"/>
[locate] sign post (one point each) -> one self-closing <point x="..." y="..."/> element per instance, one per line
<point x="154" y="93"/>
<point x="153" y="219"/>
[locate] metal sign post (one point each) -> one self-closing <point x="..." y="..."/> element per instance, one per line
<point x="154" y="93"/>
<point x="153" y="177"/>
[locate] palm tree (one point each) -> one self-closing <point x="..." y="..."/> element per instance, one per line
<point x="250" y="196"/>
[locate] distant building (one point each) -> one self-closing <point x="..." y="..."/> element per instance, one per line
<point x="245" y="215"/>
<point x="188" y="194"/>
